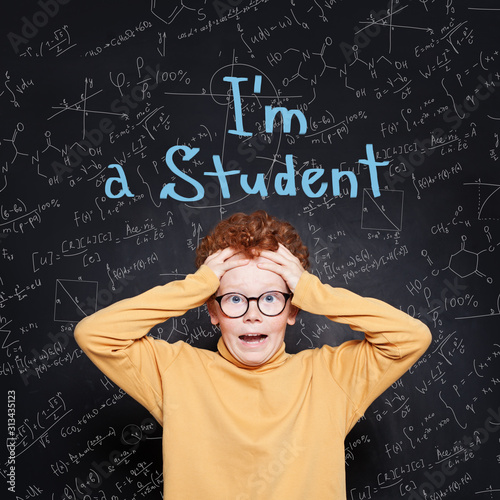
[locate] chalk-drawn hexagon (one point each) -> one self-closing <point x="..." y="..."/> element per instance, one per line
<point x="464" y="263"/>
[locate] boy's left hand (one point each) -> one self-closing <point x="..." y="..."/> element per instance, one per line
<point x="283" y="263"/>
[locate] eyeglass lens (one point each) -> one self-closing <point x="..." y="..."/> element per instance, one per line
<point x="269" y="303"/>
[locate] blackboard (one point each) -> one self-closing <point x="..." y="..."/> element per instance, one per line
<point x="87" y="85"/>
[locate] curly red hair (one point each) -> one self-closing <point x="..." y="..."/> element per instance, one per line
<point x="250" y="234"/>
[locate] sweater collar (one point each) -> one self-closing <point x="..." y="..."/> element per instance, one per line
<point x="277" y="360"/>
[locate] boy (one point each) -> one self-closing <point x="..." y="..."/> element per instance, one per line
<point x="250" y="421"/>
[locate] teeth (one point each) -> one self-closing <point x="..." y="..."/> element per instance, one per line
<point x="253" y="337"/>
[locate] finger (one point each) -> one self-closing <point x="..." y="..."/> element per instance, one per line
<point x="272" y="255"/>
<point x="233" y="258"/>
<point x="283" y="250"/>
<point x="280" y="268"/>
<point x="235" y="262"/>
<point x="279" y="257"/>
<point x="221" y="255"/>
<point x="224" y="260"/>
<point x="212" y="257"/>
<point x="276" y="264"/>
<point x="288" y="267"/>
<point x="227" y="253"/>
<point x="289" y="273"/>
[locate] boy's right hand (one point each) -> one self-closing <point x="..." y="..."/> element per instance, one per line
<point x="224" y="260"/>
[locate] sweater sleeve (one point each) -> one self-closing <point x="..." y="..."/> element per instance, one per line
<point x="115" y="338"/>
<point x="364" y="369"/>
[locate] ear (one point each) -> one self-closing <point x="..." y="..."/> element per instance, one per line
<point x="212" y="311"/>
<point x="292" y="315"/>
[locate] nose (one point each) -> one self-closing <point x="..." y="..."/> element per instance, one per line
<point x="253" y="313"/>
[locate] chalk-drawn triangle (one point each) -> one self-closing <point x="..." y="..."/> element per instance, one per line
<point x="383" y="213"/>
<point x="74" y="299"/>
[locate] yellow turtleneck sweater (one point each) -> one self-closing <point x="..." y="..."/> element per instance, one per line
<point x="230" y="432"/>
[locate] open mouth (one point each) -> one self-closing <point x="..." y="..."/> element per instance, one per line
<point x="253" y="338"/>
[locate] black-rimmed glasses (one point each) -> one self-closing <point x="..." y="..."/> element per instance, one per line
<point x="235" y="305"/>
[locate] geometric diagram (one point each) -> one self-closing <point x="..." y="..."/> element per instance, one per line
<point x="488" y="200"/>
<point x="74" y="299"/>
<point x="465" y="263"/>
<point x="81" y="107"/>
<point x="387" y="22"/>
<point x="169" y="16"/>
<point x="132" y="434"/>
<point x="384" y="213"/>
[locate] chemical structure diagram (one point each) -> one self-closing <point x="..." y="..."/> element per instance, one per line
<point x="465" y="263"/>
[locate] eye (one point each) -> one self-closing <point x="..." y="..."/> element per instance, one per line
<point x="270" y="298"/>
<point x="234" y="299"/>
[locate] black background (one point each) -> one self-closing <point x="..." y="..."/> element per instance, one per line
<point x="87" y="84"/>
